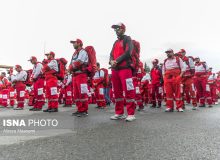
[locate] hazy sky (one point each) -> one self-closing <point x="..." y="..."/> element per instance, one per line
<point x="29" y="25"/>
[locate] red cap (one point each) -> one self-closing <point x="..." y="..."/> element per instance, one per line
<point x="169" y="50"/>
<point x="51" y="53"/>
<point x="32" y="58"/>
<point x="182" y="51"/>
<point x="79" y="41"/>
<point x="17" y="66"/>
<point x="119" y="25"/>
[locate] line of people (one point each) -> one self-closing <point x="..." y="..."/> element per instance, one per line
<point x="180" y="79"/>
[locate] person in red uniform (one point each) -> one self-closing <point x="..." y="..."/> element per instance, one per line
<point x="19" y="83"/>
<point x="120" y="60"/>
<point x="78" y="66"/>
<point x="38" y="84"/>
<point x="173" y="70"/>
<point x="200" y="81"/>
<point x="212" y="85"/>
<point x="145" y="88"/>
<point x="49" y="71"/>
<point x="98" y="83"/>
<point x="138" y="90"/>
<point x="12" y="95"/>
<point x="156" y="82"/>
<point x="4" y="87"/>
<point x="68" y="89"/>
<point x="187" y="80"/>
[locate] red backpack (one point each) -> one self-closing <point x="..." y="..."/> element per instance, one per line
<point x="92" y="67"/>
<point x="135" y="56"/>
<point x="106" y="77"/>
<point x="61" y="68"/>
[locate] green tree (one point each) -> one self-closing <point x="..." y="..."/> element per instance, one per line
<point x="146" y="68"/>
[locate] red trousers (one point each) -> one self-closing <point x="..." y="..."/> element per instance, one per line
<point x="203" y="90"/>
<point x="189" y="90"/>
<point x="39" y="93"/>
<point x="80" y="90"/>
<point x="52" y="92"/>
<point x="20" y="90"/>
<point x="138" y="96"/>
<point x="122" y="81"/>
<point x="172" y="84"/>
<point x="0" y="96"/>
<point x="156" y="94"/>
<point x="213" y="92"/>
<point x="99" y="94"/>
<point x="12" y="96"/>
<point x="5" y="97"/>
<point x="68" y="95"/>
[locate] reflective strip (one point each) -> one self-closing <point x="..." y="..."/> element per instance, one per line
<point x="170" y="99"/>
<point x="100" y="100"/>
<point x="40" y="100"/>
<point x="130" y="100"/>
<point x="202" y="98"/>
<point x="138" y="100"/>
<point x="20" y="101"/>
<point x="119" y="99"/>
<point x="209" y="98"/>
<point x="77" y="100"/>
<point x="83" y="100"/>
<point x="179" y="99"/>
<point x="193" y="97"/>
<point x="52" y="100"/>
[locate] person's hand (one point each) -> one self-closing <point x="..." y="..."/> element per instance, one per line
<point x="113" y="63"/>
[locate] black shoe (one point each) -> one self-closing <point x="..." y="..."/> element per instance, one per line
<point x="36" y="109"/>
<point x="108" y="103"/>
<point x="75" y="113"/>
<point x="31" y="109"/>
<point x="159" y="106"/>
<point x="97" y="107"/>
<point x="82" y="114"/>
<point x="67" y="105"/>
<point x="210" y="106"/>
<point x="153" y="106"/>
<point x="140" y="109"/>
<point x="203" y="105"/>
<point x="46" y="110"/>
<point x="53" y="110"/>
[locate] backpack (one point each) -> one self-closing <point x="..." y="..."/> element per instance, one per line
<point x="135" y="55"/>
<point x="106" y="77"/>
<point x="92" y="67"/>
<point x="28" y="81"/>
<point x="61" y="68"/>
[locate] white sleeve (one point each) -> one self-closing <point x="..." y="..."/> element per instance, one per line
<point x="83" y="56"/>
<point x="102" y="73"/>
<point x="191" y="64"/>
<point x="163" y="69"/>
<point x="21" y="76"/>
<point x="53" y="65"/>
<point x="182" y="66"/>
<point x="38" y="70"/>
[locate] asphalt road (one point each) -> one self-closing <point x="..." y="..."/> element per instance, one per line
<point x="154" y="135"/>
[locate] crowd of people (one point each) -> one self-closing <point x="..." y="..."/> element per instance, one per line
<point x="179" y="78"/>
